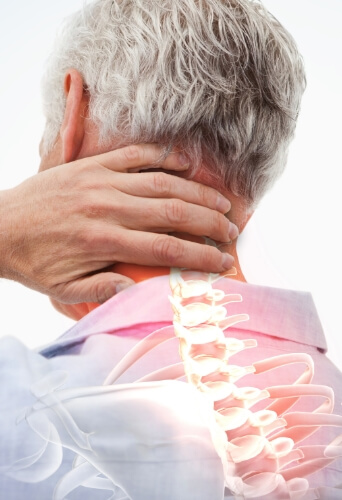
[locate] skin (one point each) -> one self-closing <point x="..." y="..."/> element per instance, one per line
<point x="67" y="224"/>
<point x="79" y="137"/>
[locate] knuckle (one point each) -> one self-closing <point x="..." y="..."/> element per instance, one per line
<point x="92" y="206"/>
<point x="63" y="292"/>
<point x="94" y="240"/>
<point x="167" y="250"/>
<point x="86" y="238"/>
<point x="94" y="210"/>
<point x="85" y="205"/>
<point x="57" y="292"/>
<point x="102" y="291"/>
<point x="175" y="211"/>
<point x="132" y="153"/>
<point x="161" y="183"/>
<point x="220" y="224"/>
<point x="204" y="194"/>
<point x="84" y="179"/>
<point x="84" y="170"/>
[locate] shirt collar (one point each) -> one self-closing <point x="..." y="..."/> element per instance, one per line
<point x="286" y="314"/>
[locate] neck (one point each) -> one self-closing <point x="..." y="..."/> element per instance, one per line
<point x="232" y="250"/>
<point x="140" y="273"/>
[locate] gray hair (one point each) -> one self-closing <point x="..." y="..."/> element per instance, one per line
<point x="221" y="80"/>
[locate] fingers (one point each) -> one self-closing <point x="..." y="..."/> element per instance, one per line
<point x="174" y="215"/>
<point x="162" y="185"/>
<point x="134" y="157"/>
<point x="165" y="250"/>
<point x="96" y="288"/>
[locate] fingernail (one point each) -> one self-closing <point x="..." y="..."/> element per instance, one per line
<point x="122" y="286"/>
<point x="233" y="231"/>
<point x="223" y="205"/>
<point x="227" y="261"/>
<point x="183" y="160"/>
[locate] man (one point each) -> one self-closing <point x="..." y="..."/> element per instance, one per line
<point x="220" y="82"/>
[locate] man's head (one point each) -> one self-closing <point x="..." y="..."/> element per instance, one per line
<point x="220" y="79"/>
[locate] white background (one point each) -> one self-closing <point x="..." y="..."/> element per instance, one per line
<point x="298" y="223"/>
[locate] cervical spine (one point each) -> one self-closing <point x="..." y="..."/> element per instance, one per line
<point x="257" y="448"/>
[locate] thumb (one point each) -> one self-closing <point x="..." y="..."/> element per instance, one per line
<point x="96" y="288"/>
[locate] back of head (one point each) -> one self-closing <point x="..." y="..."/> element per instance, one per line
<point x="220" y="79"/>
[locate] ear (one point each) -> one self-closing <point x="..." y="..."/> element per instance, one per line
<point x="72" y="129"/>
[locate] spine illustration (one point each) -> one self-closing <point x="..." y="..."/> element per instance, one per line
<point x="257" y="432"/>
<point x="258" y="449"/>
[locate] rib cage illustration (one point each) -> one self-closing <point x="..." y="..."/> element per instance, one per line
<point x="259" y="449"/>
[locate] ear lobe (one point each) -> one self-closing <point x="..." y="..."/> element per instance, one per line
<point x="72" y="129"/>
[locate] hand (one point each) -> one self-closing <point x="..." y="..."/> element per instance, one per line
<point x="60" y="227"/>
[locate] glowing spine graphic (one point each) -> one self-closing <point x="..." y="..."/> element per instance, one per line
<point x="257" y="448"/>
